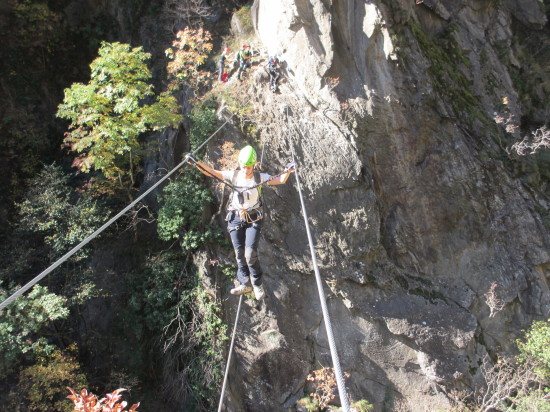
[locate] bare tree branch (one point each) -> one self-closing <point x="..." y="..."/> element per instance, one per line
<point x="538" y="140"/>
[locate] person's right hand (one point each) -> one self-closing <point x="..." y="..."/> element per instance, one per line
<point x="190" y="159"/>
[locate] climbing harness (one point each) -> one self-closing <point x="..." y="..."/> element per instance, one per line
<point x="105" y="226"/>
<point x="229" y="354"/>
<point x="328" y="326"/>
<point x="253" y="217"/>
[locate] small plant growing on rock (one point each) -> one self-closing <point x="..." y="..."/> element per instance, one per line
<point x="324" y="382"/>
<point x="492" y="300"/>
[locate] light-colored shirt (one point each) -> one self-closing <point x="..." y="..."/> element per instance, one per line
<point x="251" y="197"/>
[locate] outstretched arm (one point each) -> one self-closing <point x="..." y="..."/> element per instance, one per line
<point x="281" y="180"/>
<point x="203" y="167"/>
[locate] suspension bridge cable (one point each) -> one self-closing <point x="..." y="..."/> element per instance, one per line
<point x="102" y="228"/>
<point x="328" y="326"/>
<point x="229" y="354"/>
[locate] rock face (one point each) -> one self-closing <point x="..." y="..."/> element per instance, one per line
<point x="388" y="107"/>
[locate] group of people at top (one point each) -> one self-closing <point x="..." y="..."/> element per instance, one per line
<point x="243" y="60"/>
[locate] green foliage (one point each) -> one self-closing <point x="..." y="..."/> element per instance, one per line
<point x="202" y="343"/>
<point x="245" y="18"/>
<point x="535" y="349"/>
<point x="311" y="404"/>
<point x="239" y="104"/>
<point x="445" y="56"/>
<point x="170" y="303"/>
<point x="42" y="387"/>
<point x="535" y="401"/>
<point x="36" y="23"/>
<point x="180" y="217"/>
<point x="363" y="406"/>
<point x="51" y="209"/>
<point x="23" y="319"/>
<point x="108" y="114"/>
<point x="203" y="122"/>
<point x="154" y="291"/>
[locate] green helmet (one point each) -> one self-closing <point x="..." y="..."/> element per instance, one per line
<point x="247" y="156"/>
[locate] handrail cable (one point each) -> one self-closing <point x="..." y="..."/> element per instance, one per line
<point x="328" y="326"/>
<point x="229" y="354"/>
<point x="102" y="228"/>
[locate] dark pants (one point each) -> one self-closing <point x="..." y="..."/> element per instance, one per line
<point x="221" y="66"/>
<point x="273" y="78"/>
<point x="245" y="238"/>
<point x="220" y="72"/>
<point x="243" y="64"/>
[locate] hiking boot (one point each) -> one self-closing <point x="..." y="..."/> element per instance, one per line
<point x="241" y="290"/>
<point x="259" y="292"/>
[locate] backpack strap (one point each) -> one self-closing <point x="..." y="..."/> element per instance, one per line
<point x="233" y="182"/>
<point x="258" y="180"/>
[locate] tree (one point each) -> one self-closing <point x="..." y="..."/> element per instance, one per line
<point x="41" y="387"/>
<point x="53" y="210"/>
<point x="21" y="322"/>
<point x="188" y="55"/>
<point x="108" y="114"/>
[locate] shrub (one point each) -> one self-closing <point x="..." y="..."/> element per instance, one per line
<point x="88" y="402"/>
<point x="181" y="215"/>
<point x="41" y="386"/>
<point x="521" y="381"/>
<point x="325" y="386"/>
<point x="52" y="210"/>
<point x="535" y="349"/>
<point x="21" y="322"/>
<point x="203" y="122"/>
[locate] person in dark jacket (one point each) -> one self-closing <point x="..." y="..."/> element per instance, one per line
<point x="274" y="72"/>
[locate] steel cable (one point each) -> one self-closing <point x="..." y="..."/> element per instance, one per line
<point x="328" y="326"/>
<point x="102" y="228"/>
<point x="229" y="355"/>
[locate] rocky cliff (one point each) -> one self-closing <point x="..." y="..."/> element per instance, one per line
<point x="416" y="209"/>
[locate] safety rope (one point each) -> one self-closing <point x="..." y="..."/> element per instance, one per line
<point x="229" y="354"/>
<point x="102" y="228"/>
<point x="328" y="326"/>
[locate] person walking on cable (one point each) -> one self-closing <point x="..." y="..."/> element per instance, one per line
<point x="245" y="214"/>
